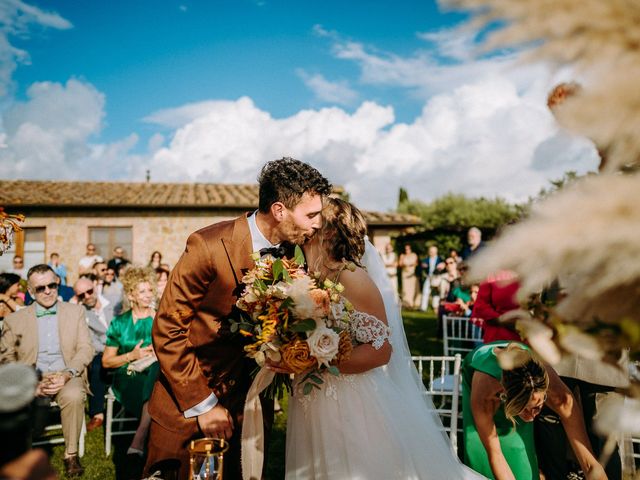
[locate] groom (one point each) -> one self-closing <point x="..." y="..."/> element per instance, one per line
<point x="205" y="374"/>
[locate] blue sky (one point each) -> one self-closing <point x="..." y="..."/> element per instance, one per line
<point x="376" y="94"/>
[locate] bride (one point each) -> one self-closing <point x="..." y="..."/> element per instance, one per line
<point x="375" y="420"/>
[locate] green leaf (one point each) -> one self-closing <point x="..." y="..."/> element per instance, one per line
<point x="277" y="268"/>
<point x="298" y="255"/>
<point x="333" y="370"/>
<point x="306" y="390"/>
<point x="234" y="327"/>
<point x="316" y="379"/>
<point x="285" y="276"/>
<point x="260" y="285"/>
<point x="303" y="325"/>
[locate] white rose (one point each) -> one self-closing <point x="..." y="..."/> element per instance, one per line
<point x="323" y="345"/>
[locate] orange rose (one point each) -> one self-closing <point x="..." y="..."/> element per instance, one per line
<point x="321" y="300"/>
<point x="297" y="357"/>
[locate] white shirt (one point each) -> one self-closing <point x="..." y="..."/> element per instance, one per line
<point x="258" y="242"/>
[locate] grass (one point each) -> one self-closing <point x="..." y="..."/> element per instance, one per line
<point x="420" y="329"/>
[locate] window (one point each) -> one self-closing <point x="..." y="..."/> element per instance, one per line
<point x="107" y="238"/>
<point x="30" y="245"/>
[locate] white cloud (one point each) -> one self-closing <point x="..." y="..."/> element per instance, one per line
<point x="485" y="138"/>
<point x="15" y="19"/>
<point x="49" y="135"/>
<point x="327" y="91"/>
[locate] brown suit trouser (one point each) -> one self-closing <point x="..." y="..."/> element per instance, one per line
<point x="169" y="450"/>
<point x="71" y="402"/>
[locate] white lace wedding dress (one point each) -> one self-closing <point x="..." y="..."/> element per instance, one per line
<point x="378" y="425"/>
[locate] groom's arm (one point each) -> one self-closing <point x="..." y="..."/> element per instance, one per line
<point x="185" y="290"/>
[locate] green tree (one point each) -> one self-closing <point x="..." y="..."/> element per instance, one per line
<point x="457" y="212"/>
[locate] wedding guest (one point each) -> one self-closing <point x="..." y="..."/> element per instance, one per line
<point x="162" y="276"/>
<point x="99" y="313"/>
<point x="449" y="280"/>
<point x="59" y="268"/>
<point x="474" y="243"/>
<point x="453" y="253"/>
<point x="432" y="266"/>
<point x="85" y="264"/>
<point x="118" y="260"/>
<point x="391" y="266"/>
<point x="10" y="301"/>
<point x="156" y="260"/>
<point x="54" y="337"/>
<point x="18" y="267"/>
<point x="128" y="340"/>
<point x="499" y="405"/>
<point x="408" y="262"/>
<point x="112" y="290"/>
<point x="497" y="296"/>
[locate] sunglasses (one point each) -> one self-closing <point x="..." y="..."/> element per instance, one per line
<point x="43" y="288"/>
<point x="88" y="293"/>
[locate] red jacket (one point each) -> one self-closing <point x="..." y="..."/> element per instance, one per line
<point x="496" y="296"/>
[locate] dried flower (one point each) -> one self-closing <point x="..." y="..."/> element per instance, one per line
<point x="345" y="348"/>
<point x="297" y="356"/>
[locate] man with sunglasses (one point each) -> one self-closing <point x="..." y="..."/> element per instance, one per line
<point x="99" y="315"/>
<point x="53" y="336"/>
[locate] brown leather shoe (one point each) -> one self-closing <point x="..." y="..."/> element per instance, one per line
<point x="94" y="423"/>
<point x="72" y="466"/>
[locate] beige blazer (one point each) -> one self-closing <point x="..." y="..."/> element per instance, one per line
<point x="19" y="341"/>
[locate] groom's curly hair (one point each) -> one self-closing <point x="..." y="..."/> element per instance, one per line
<point x="286" y="180"/>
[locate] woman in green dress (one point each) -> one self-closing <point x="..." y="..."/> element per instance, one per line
<point x="499" y="406"/>
<point x="128" y="340"/>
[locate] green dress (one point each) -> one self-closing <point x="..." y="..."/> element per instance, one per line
<point x="517" y="443"/>
<point x="131" y="390"/>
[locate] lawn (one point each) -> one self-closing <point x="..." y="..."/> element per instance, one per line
<point x="421" y="335"/>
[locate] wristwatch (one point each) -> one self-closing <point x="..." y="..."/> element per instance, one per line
<point x="74" y="373"/>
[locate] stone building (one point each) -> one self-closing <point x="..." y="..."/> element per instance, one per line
<point x="63" y="217"/>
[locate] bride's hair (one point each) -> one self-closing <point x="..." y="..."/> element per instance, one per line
<point x="343" y="231"/>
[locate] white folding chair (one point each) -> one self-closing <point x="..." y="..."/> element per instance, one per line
<point x="53" y="434"/>
<point x="441" y="377"/>
<point x="635" y="445"/>
<point x="118" y="420"/>
<point x="460" y="335"/>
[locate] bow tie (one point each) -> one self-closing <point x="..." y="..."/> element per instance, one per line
<point x="276" y="252"/>
<point x="44" y="313"/>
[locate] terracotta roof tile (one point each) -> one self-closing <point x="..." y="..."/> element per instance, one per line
<point x="35" y="193"/>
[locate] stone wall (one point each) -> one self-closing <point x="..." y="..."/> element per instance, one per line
<point x="69" y="235"/>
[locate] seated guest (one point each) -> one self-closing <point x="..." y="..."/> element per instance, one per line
<point x="162" y="276"/>
<point x="118" y="260"/>
<point x="53" y="336"/>
<point x="85" y="264"/>
<point x="496" y="297"/>
<point x="112" y="290"/>
<point x="155" y="261"/>
<point x="99" y="314"/>
<point x="65" y="292"/>
<point x="499" y="406"/>
<point x="129" y="339"/>
<point x="10" y="301"/>
<point x="59" y="268"/>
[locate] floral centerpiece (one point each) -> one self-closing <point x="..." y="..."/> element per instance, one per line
<point x="289" y="316"/>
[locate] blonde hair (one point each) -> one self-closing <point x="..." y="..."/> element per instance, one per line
<point x="527" y="377"/>
<point x="343" y="231"/>
<point x="134" y="276"/>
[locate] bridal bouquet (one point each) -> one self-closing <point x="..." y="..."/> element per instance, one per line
<point x="291" y="317"/>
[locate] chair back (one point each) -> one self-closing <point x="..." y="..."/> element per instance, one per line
<point x="460" y="335"/>
<point x="441" y="377"/>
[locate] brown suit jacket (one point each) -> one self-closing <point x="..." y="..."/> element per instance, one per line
<point x="73" y="333"/>
<point x="196" y="351"/>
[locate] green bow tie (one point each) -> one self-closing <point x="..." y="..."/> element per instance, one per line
<point x="44" y="313"/>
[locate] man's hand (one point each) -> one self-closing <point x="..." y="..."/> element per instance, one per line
<point x="52" y="384"/>
<point x="278" y="367"/>
<point x="216" y="423"/>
